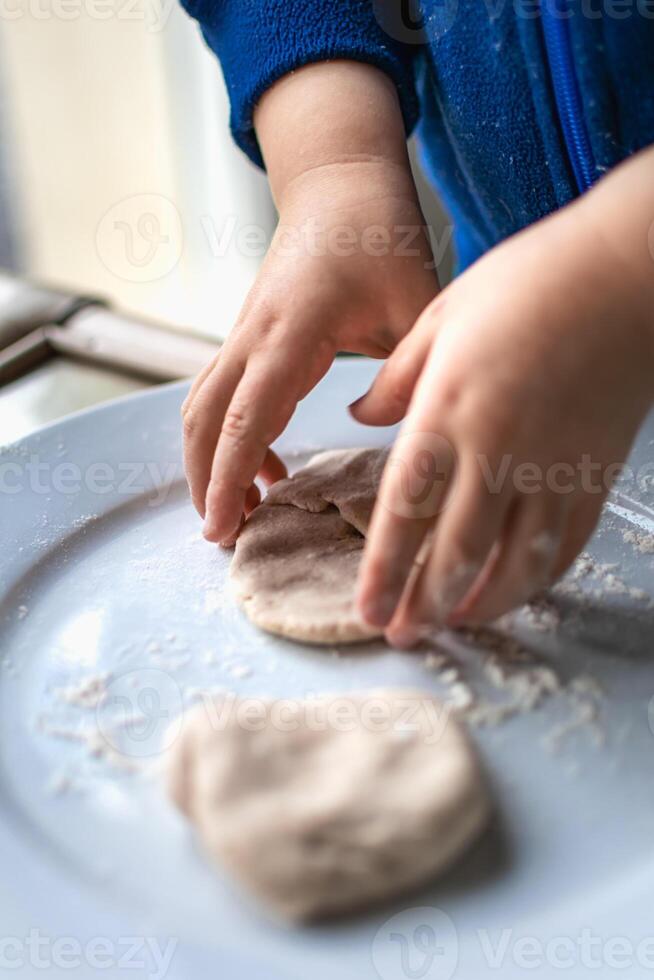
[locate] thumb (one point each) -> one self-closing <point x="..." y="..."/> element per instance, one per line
<point x="387" y="400"/>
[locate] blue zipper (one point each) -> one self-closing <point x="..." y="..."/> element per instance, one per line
<point x="558" y="45"/>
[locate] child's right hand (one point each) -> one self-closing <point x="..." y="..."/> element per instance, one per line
<point x="349" y="269"/>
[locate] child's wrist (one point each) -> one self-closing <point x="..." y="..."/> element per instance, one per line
<point x="330" y="117"/>
<point x="344" y="184"/>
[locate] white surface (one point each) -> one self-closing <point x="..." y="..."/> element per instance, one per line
<point x="120" y="583"/>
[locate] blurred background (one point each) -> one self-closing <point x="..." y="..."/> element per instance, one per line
<point x="119" y="180"/>
<point x="111" y="112"/>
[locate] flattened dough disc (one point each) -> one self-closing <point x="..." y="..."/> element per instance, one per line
<point x="327" y="806"/>
<point x="296" y="561"/>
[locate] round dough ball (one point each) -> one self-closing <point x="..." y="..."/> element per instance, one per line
<point x="329" y="805"/>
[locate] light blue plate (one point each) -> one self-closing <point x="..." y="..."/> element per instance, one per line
<point x="105" y="575"/>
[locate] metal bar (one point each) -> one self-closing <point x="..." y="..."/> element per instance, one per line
<point x="25" y="306"/>
<point x="139" y="347"/>
<point x="24" y="355"/>
<point x="37" y="322"/>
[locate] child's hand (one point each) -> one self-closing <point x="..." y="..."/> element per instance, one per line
<point x="337" y="278"/>
<point x="538" y="375"/>
<point x="303" y="309"/>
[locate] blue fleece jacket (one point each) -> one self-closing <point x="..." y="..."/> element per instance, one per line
<point x="475" y="75"/>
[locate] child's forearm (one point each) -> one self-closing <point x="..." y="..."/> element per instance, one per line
<point x="620" y="210"/>
<point x="332" y="117"/>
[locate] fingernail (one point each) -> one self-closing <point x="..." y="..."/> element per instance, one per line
<point x="455" y="619"/>
<point x="403" y="638"/>
<point x="207" y="531"/>
<point x="210" y="531"/>
<point x="356" y="402"/>
<point x="229" y="540"/>
<point x="454" y="589"/>
<point x="379" y="611"/>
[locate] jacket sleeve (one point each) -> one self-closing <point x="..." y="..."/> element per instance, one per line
<point x="258" y="41"/>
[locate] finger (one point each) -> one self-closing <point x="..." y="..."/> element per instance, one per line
<point x="252" y="499"/>
<point x="582" y="521"/>
<point x="258" y="413"/>
<point x="415" y="483"/>
<point x="272" y="469"/>
<point x="232" y="538"/>
<point x="198" y="382"/>
<point x="388" y="399"/>
<point x="465" y="536"/>
<point x="203" y="421"/>
<point x="529" y="549"/>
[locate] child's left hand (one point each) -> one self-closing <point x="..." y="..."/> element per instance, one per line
<point x="538" y="377"/>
